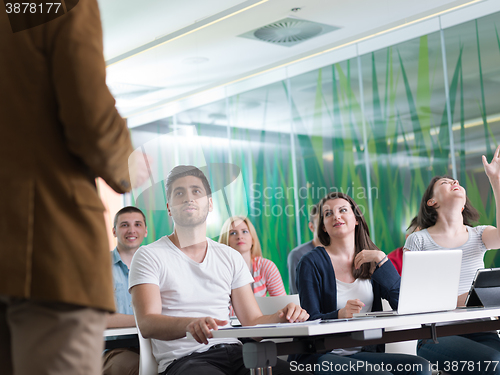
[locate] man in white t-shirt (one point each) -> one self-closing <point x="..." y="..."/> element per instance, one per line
<point x="184" y="282"/>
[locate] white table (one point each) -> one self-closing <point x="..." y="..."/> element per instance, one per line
<point x="359" y="324"/>
<point x="113" y="332"/>
<point x="324" y="337"/>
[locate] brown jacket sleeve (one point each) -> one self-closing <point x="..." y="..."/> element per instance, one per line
<point x="93" y="127"/>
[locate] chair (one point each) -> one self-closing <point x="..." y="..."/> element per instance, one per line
<point x="147" y="361"/>
<point x="269" y="305"/>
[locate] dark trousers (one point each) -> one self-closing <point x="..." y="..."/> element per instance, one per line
<point x="471" y="354"/>
<point x="226" y="360"/>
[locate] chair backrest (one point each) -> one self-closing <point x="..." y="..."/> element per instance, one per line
<point x="147" y="361"/>
<point x="269" y="305"/>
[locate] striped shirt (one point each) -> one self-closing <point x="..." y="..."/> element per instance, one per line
<point x="472" y="252"/>
<point x="267" y="278"/>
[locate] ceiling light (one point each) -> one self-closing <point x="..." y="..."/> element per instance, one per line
<point x="305" y="57"/>
<point x="186" y="30"/>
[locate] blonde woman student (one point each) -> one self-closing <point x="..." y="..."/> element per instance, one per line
<point x="239" y="233"/>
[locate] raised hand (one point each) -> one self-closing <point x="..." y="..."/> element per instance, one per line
<point x="493" y="169"/>
<point x="201" y="328"/>
<point x="491" y="235"/>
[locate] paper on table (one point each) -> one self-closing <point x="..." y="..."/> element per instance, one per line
<point x="270" y="325"/>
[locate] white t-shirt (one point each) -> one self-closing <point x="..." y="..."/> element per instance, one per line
<point x="359" y="289"/>
<point x="472" y="252"/>
<point x="189" y="289"/>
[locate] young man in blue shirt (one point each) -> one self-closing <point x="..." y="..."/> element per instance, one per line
<point x="129" y="228"/>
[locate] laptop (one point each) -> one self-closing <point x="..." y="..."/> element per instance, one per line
<point x="485" y="289"/>
<point x="429" y="283"/>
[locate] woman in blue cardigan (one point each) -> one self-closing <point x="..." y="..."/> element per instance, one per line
<point x="347" y="275"/>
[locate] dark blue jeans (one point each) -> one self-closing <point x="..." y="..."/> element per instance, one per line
<point x="368" y="363"/>
<point x="472" y="354"/>
<point x="227" y="360"/>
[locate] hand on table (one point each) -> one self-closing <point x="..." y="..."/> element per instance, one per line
<point x="201" y="328"/>
<point x="292" y="313"/>
<point x="352" y="306"/>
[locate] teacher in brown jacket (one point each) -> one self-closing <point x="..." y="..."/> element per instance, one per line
<point x="59" y="130"/>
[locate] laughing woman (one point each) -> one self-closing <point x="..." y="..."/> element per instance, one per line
<point x="347" y="275"/>
<point x="445" y="217"/>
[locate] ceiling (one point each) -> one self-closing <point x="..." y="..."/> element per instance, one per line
<point x="215" y="54"/>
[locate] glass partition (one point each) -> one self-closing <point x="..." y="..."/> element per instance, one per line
<point x="375" y="127"/>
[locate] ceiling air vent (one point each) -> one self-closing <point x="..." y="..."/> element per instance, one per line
<point x="289" y="31"/>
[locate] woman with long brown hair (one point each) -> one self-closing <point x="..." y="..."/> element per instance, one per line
<point x="446" y="218"/>
<point x="346" y="275"/>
